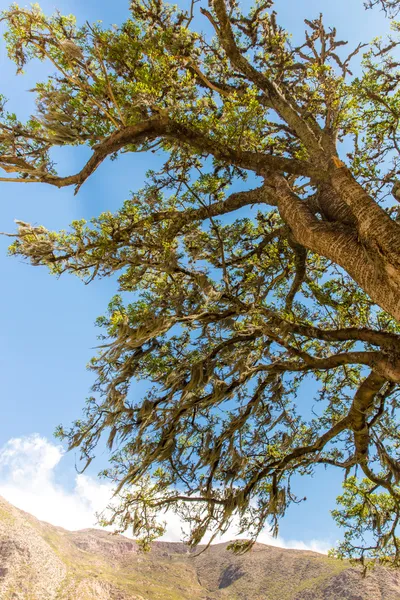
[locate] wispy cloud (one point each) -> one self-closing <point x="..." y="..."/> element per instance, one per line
<point x="27" y="480"/>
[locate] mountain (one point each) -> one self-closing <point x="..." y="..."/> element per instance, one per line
<point x="41" y="562"/>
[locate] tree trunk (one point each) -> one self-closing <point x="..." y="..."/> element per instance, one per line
<point x="341" y="243"/>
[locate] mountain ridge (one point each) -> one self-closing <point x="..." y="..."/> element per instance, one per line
<point x="39" y="561"/>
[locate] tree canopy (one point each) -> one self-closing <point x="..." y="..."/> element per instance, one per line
<point x="233" y="298"/>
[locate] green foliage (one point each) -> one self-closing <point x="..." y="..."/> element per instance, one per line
<point x="370" y="517"/>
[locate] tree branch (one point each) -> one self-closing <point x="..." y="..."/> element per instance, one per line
<point x="161" y="126"/>
<point x="300" y="254"/>
<point x="381" y="364"/>
<point x="285" y="109"/>
<point x="383" y="339"/>
<point x="341" y="244"/>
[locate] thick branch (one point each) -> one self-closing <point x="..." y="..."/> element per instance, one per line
<point x="361" y="407"/>
<point x="383" y="339"/>
<point x="300" y="273"/>
<point x="385" y="366"/>
<point x="285" y="109"/>
<point x="339" y="243"/>
<point x="374" y="224"/>
<point x="163" y="127"/>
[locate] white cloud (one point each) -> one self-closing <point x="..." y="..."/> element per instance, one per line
<point x="27" y="480"/>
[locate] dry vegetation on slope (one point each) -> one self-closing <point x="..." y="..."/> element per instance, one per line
<point x="41" y="562"/>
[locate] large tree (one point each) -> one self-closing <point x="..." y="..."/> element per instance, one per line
<point x="241" y="298"/>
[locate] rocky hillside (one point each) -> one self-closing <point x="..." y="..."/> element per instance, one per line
<point x="42" y="562"/>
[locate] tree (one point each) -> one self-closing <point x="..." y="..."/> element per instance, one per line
<point x="238" y="298"/>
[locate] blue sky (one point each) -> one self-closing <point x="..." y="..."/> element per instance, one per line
<point x="47" y="325"/>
